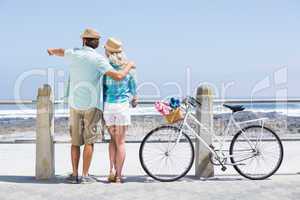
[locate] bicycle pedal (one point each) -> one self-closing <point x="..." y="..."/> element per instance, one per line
<point x="223" y="168"/>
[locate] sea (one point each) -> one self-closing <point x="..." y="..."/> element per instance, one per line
<point x="62" y="110"/>
<point x="17" y="122"/>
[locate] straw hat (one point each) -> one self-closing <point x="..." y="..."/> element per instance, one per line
<point x="113" y="45"/>
<point x="90" y="33"/>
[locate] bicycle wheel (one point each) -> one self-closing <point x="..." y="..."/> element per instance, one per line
<point x="163" y="159"/>
<point x="257" y="152"/>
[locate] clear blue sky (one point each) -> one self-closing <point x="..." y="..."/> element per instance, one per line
<point x="221" y="41"/>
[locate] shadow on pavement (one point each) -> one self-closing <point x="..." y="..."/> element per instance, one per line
<point x="215" y="178"/>
<point x="147" y="179"/>
<point x="31" y="180"/>
<point x="139" y="179"/>
<point x="128" y="179"/>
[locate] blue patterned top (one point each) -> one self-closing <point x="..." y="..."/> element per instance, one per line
<point x="119" y="91"/>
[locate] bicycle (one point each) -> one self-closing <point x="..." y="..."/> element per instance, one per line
<point x="167" y="152"/>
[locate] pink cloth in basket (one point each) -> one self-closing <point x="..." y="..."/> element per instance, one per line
<point x="163" y="108"/>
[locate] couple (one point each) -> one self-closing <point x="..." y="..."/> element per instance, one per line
<point x="85" y="97"/>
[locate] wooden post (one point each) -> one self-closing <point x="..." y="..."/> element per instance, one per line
<point x="204" y="113"/>
<point x="45" y="168"/>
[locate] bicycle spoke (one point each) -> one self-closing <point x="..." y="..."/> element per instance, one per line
<point x="267" y="155"/>
<point x="169" y="160"/>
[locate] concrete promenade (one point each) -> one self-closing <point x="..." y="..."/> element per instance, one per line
<point x="17" y="169"/>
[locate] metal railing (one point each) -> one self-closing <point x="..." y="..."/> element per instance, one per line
<point x="150" y="102"/>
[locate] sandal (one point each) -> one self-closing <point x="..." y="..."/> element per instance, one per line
<point x="118" y="180"/>
<point x="112" y="177"/>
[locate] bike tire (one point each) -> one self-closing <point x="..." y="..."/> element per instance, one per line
<point x="146" y="168"/>
<point x="239" y="170"/>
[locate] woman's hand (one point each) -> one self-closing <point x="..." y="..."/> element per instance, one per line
<point x="129" y="63"/>
<point x="134" y="101"/>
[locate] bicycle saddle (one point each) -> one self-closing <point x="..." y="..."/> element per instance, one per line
<point x="235" y="108"/>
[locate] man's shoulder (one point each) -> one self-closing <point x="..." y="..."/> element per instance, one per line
<point x="99" y="57"/>
<point x="89" y="51"/>
<point x="90" y="56"/>
<point x="84" y="53"/>
<point x="72" y="53"/>
<point x="97" y="54"/>
<point x="73" y="49"/>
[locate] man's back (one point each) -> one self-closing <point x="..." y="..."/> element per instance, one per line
<point x="86" y="70"/>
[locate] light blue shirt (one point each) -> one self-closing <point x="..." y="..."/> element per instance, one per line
<point x="84" y="87"/>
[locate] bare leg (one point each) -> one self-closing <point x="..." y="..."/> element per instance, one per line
<point x="120" y="154"/>
<point x="87" y="158"/>
<point x="75" y="123"/>
<point x="75" y="157"/>
<point x="112" y="149"/>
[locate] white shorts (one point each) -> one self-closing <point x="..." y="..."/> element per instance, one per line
<point x="117" y="114"/>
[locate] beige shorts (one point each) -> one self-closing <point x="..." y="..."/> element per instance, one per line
<point x="117" y="114"/>
<point x="86" y="126"/>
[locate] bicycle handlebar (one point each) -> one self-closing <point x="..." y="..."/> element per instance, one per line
<point x="192" y="101"/>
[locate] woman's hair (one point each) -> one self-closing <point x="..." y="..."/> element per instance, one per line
<point x="117" y="58"/>
<point x="120" y="59"/>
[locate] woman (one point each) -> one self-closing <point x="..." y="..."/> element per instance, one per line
<point x="116" y="108"/>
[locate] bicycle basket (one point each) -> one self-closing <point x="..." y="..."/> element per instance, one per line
<point x="174" y="116"/>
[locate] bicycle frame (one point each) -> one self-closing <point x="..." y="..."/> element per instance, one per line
<point x="221" y="142"/>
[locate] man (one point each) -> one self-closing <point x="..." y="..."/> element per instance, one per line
<point x="84" y="95"/>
